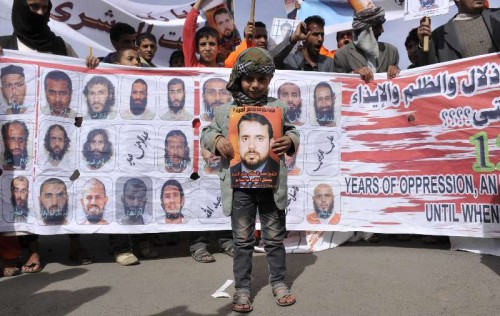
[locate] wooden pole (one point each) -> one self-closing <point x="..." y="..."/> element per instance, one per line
<point x="426" y="38"/>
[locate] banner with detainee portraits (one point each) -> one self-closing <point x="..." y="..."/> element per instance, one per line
<point x="118" y="150"/>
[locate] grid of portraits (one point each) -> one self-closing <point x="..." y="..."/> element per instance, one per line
<point x="137" y="131"/>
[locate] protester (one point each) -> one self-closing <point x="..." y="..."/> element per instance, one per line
<point x="122" y="36"/>
<point x="473" y="31"/>
<point x="366" y="55"/>
<point x="9" y="256"/>
<point x="249" y="84"/>
<point x="147" y="47"/>
<point x="343" y="38"/>
<point x="205" y="41"/>
<point x="176" y="59"/>
<point x="312" y="33"/>
<point x="255" y="36"/>
<point x="411" y="44"/>
<point x="32" y="34"/>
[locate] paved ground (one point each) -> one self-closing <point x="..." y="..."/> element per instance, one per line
<point x="390" y="278"/>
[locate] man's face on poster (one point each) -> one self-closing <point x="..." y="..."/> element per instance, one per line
<point x="19" y="196"/>
<point x="215" y="95"/>
<point x="289" y="93"/>
<point x="14" y="90"/>
<point x="323" y="200"/>
<point x="138" y="98"/>
<point x="94" y="201"/>
<point x="57" y="144"/>
<point x="134" y="201"/>
<point x="225" y="24"/>
<point x="97" y="150"/>
<point x="176" y="97"/>
<point x="58" y="96"/>
<point x="16" y="145"/>
<point x="324" y="105"/>
<point x="212" y="162"/>
<point x="253" y="144"/>
<point x="53" y="202"/>
<point x="176" y="152"/>
<point x="171" y="200"/>
<point x="97" y="98"/>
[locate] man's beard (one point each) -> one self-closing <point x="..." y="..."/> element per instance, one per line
<point x="16" y="160"/>
<point x="209" y="108"/>
<point x="255" y="163"/>
<point x="96" y="159"/>
<point x="58" y="156"/>
<point x="176" y="108"/>
<point x="99" y="115"/>
<point x="56" y="215"/>
<point x="19" y="210"/>
<point x="94" y="217"/>
<point x="176" y="167"/>
<point x="15" y="107"/>
<point x="173" y="215"/>
<point x="323" y="214"/>
<point x="133" y="212"/>
<point x="138" y="107"/>
<point x="325" y="117"/>
<point x="294" y="114"/>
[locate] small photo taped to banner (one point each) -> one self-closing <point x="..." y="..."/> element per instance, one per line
<point x="252" y="130"/>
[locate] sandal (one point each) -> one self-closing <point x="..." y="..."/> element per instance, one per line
<point x="202" y="255"/>
<point x="242" y="302"/>
<point x="283" y="295"/>
<point x="81" y="257"/>
<point x="9" y="268"/>
<point x="229" y="250"/>
<point x="32" y="265"/>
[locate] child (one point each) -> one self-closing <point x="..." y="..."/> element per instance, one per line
<point x="206" y="41"/>
<point x="249" y="85"/>
<point x="127" y="57"/>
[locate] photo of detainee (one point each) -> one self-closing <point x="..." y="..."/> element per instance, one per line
<point x="177" y="157"/>
<point x="136" y="107"/>
<point x="256" y="168"/>
<point x="13" y="86"/>
<point x="15" y="136"/>
<point x="222" y="20"/>
<point x="212" y="161"/>
<point x="53" y="202"/>
<point x="324" y="105"/>
<point x="172" y="202"/>
<point x="323" y="203"/>
<point x="428" y="5"/>
<point x="58" y="89"/>
<point x="176" y="102"/>
<point x="214" y="94"/>
<point x="97" y="150"/>
<point x="100" y="98"/>
<point x="18" y="210"/>
<point x="290" y="94"/>
<point x="133" y="205"/>
<point x="94" y="200"/>
<point x="56" y="144"/>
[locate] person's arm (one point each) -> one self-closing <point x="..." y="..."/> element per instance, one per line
<point x="246" y="43"/>
<point x="188" y="36"/>
<point x="212" y="137"/>
<point x="429" y="57"/>
<point x="283" y="49"/>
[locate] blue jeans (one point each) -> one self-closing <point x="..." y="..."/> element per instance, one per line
<point x="273" y="230"/>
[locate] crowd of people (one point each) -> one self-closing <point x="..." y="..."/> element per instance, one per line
<point x="471" y="32"/>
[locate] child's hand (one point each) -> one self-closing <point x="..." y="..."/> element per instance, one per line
<point x="224" y="148"/>
<point x="281" y="145"/>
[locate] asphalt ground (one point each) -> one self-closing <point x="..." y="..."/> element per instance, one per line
<point x="388" y="278"/>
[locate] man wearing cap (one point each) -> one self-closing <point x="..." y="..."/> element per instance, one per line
<point x="365" y="55"/>
<point x="473" y="31"/>
<point x="13" y="89"/>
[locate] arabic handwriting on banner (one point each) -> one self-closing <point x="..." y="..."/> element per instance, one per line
<point x="105" y="25"/>
<point x="322" y="154"/>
